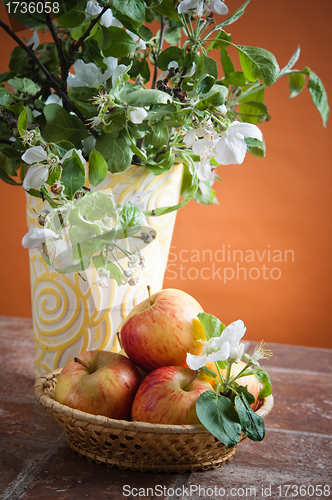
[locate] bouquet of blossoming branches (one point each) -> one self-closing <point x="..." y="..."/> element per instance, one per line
<point x="112" y="91"/>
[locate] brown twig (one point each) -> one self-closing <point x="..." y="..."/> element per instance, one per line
<point x="51" y="80"/>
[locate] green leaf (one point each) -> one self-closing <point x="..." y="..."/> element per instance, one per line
<point x="73" y="175"/>
<point x="240" y="389"/>
<point x="215" y="97"/>
<point x="115" y="42"/>
<point x="24" y="85"/>
<point x="226" y="61"/>
<point x="166" y="210"/>
<point x="166" y="8"/>
<point x="255" y="147"/>
<point x="18" y="59"/>
<point x="131" y="219"/>
<point x="97" y="168"/>
<point x="116" y="150"/>
<point x="258" y="63"/>
<point x="264" y="378"/>
<point x="251" y="423"/>
<point x="96" y="206"/>
<point x="135" y="9"/>
<point x="145" y="33"/>
<point x="219" y="417"/>
<point x="212" y="326"/>
<point x="61" y="125"/>
<point x="297" y="81"/>
<point x="22" y="122"/>
<point x="252" y="103"/>
<point x="291" y="62"/>
<point x="147" y="97"/>
<point x="236" y="15"/>
<point x="115" y="272"/>
<point x="208" y="66"/>
<point x="6" y="97"/>
<point x="318" y="96"/>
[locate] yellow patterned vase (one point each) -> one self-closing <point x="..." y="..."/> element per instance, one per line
<point x="71" y="315"/>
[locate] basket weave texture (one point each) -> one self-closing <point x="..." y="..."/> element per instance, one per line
<point x="137" y="445"/>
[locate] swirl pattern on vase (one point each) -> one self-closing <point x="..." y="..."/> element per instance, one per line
<point x="71" y="315"/>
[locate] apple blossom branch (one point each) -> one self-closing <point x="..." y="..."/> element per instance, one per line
<point x="49" y="77"/>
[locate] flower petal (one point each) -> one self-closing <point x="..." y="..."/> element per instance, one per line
<point x="36" y="237"/>
<point x="233" y="333"/>
<point x="186" y="5"/>
<point x="218" y="7"/>
<point x="137" y="115"/>
<point x="230" y="150"/>
<point x="196" y="362"/>
<point x="37" y="176"/>
<point x="245" y="129"/>
<point x="34" y="154"/>
<point x="220" y="355"/>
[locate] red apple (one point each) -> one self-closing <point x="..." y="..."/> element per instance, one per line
<point x="161" y="330"/>
<point x="168" y="395"/>
<point x="99" y="382"/>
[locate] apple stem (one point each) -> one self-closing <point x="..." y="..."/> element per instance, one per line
<point x="194" y="375"/>
<point x="77" y="360"/>
<point x="149" y="292"/>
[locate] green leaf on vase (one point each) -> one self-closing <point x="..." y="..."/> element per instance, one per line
<point x="73" y="175"/>
<point x="258" y="63"/>
<point x="97" y="168"/>
<point x="116" y="150"/>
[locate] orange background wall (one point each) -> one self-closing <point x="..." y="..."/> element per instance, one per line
<point x="277" y="204"/>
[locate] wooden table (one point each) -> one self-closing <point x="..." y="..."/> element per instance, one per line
<point x="293" y="461"/>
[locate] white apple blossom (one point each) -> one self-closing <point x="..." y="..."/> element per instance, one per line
<point x="36" y="237"/>
<point x="89" y="75"/>
<point x="231" y="147"/>
<point x="201" y="6"/>
<point x="34" y="154"/>
<point x="37" y="174"/>
<point x="137" y="115"/>
<point x="34" y="41"/>
<point x="54" y="99"/>
<point x="93" y="8"/>
<point x="220" y="348"/>
<point x="141" y="45"/>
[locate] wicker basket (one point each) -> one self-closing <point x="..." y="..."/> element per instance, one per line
<point x="137" y="445"/>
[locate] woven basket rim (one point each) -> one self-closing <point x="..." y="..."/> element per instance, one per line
<point x="48" y="402"/>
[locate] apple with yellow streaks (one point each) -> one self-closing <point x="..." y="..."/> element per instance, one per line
<point x="162" y="329"/>
<point x="99" y="382"/>
<point x="168" y="395"/>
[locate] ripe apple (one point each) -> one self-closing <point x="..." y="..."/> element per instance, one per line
<point x="168" y="395"/>
<point x="253" y="385"/>
<point x="99" y="382"/>
<point x="162" y="329"/>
